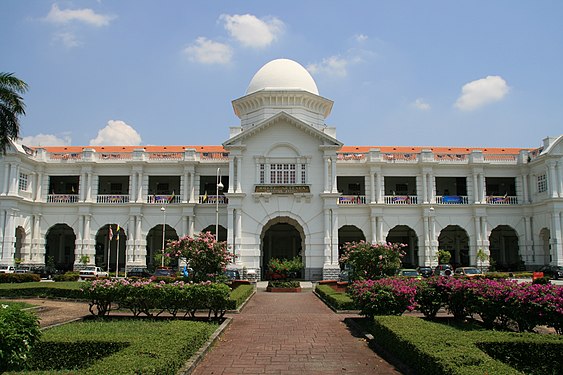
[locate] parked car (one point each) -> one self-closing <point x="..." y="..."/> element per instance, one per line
<point x="164" y="272"/>
<point x="443" y="270"/>
<point x="7" y="269"/>
<point x="408" y="272"/>
<point x="424" y="271"/>
<point x="232" y="274"/>
<point x="554" y="272"/>
<point x="468" y="272"/>
<point x="91" y="272"/>
<point x="139" y="272"/>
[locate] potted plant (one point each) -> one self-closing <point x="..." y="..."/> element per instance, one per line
<point x="283" y="271"/>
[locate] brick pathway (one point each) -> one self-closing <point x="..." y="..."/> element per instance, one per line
<point x="290" y="333"/>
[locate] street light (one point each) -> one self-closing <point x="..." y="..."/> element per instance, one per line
<point x="163" y="209"/>
<point x="219" y="185"/>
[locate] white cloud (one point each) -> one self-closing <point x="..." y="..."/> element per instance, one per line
<point x="360" y="38"/>
<point x="45" y="140"/>
<point x="68" y="39"/>
<point x="116" y="133"/>
<point x="86" y="15"/>
<point x="333" y="66"/>
<point x="207" y="51"/>
<point x="481" y="92"/>
<point x="251" y="31"/>
<point x="421" y="104"/>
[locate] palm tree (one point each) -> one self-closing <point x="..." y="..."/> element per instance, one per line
<point x="11" y="107"/>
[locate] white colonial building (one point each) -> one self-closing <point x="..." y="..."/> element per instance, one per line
<point x="282" y="185"/>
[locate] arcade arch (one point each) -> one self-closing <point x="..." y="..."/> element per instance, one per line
<point x="504" y="249"/>
<point x="60" y="245"/>
<point x="281" y="238"/>
<point x="405" y="235"/>
<point x="154" y="243"/>
<point x="454" y="239"/>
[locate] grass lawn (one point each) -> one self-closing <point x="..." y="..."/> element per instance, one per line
<point x="19" y="305"/>
<point x="46" y="284"/>
<point x="336" y="300"/>
<point x="120" y="346"/>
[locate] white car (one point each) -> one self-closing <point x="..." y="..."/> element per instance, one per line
<point x="92" y="272"/>
<point x="7" y="269"/>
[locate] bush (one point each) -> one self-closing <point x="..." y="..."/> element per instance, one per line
<point x="428" y="298"/>
<point x="43" y="290"/>
<point x="68" y="276"/>
<point x="239" y="295"/>
<point x="19" y="331"/>
<point x="284" y="284"/>
<point x="19" y="277"/>
<point x="286" y="267"/>
<point x="390" y="296"/>
<point x="337" y="300"/>
<point x="372" y="261"/>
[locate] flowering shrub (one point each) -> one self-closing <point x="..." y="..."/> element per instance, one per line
<point x="285" y="267"/>
<point x="372" y="261"/>
<point x="152" y="298"/>
<point x="207" y="257"/>
<point x="428" y="297"/>
<point x="19" y="331"/>
<point x="389" y="296"/>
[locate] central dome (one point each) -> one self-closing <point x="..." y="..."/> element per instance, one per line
<point x="282" y="74"/>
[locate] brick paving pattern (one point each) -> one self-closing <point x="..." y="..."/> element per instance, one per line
<point x="290" y="333"/>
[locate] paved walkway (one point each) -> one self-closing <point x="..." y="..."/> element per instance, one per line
<point x="290" y="333"/>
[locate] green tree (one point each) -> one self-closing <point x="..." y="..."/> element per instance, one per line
<point x="372" y="261"/>
<point x="444" y="256"/>
<point x="11" y="107"/>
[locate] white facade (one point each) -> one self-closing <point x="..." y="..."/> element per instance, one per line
<point x="291" y="189"/>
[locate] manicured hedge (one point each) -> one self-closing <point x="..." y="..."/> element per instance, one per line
<point x="337" y="300"/>
<point x="434" y="348"/>
<point x="18" y="278"/>
<point x="239" y="295"/>
<point x="68" y="290"/>
<point x="145" y="346"/>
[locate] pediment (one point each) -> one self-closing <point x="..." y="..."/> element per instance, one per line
<point x="325" y="139"/>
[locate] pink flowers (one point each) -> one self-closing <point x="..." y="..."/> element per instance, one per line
<point x="371" y="261"/>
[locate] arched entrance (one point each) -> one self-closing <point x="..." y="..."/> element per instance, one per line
<point x="154" y="244"/>
<point x="544" y="257"/>
<point x="454" y="239"/>
<point x="20" y="238"/>
<point x="281" y="238"/>
<point x="222" y="232"/>
<point x="348" y="233"/>
<point x="405" y="235"/>
<point x="112" y="240"/>
<point x="504" y="249"/>
<point x="59" y="246"/>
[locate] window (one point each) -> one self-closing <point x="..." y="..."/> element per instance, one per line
<point x="262" y="173"/>
<point x="542" y="183"/>
<point x="283" y="174"/>
<point x="23" y="184"/>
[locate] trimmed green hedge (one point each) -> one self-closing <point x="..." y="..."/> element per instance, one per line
<point x="239" y="295"/>
<point x="68" y="290"/>
<point x="140" y="346"/>
<point x="434" y="348"/>
<point x="19" y="278"/>
<point x="337" y="300"/>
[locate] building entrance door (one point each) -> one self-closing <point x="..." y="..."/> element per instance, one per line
<point x="282" y="239"/>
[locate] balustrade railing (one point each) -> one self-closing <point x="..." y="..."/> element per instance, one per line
<point x="501" y="199"/>
<point x="166" y="155"/>
<point x="452" y="199"/>
<point x="214" y="156"/>
<point x="65" y="156"/>
<point x="352" y="199"/>
<point x="350" y="156"/>
<point x="400" y="157"/>
<point x="451" y="158"/>
<point x="501" y="158"/>
<point x="62" y="198"/>
<point x="164" y="199"/>
<point x="113" y="198"/>
<point x="401" y="199"/>
<point x="213" y="199"/>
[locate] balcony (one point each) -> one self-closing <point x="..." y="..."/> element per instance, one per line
<point x="62" y="198"/>
<point x="351" y="200"/>
<point x="164" y="199"/>
<point x="213" y="199"/>
<point x="504" y="199"/>
<point x="452" y="199"/>
<point x="401" y="199"/>
<point x="113" y="198"/>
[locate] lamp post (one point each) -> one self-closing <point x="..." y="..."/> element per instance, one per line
<point x="163" y="209"/>
<point x="218" y="185"/>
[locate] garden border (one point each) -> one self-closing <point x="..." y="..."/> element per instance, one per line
<point x="324" y="300"/>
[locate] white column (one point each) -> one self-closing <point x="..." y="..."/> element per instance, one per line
<point x="89" y="188"/>
<point x="2" y="231"/>
<point x="528" y="256"/>
<point x="431" y="188"/>
<point x="326" y="163"/>
<point x="424" y="188"/>
<point x="185" y="228"/>
<point x="239" y="174"/>
<point x="335" y="237"/>
<point x="372" y="186"/>
<point x="12" y="182"/>
<point x="327" y="233"/>
<point x="38" y="186"/>
<point x="81" y="186"/>
<point x="475" y="188"/>
<point x="191" y="227"/>
<point x="556" y="239"/>
<point x="560" y="178"/>
<point x="230" y="227"/>
<point x="140" y="187"/>
<point x="133" y="188"/>
<point x="238" y="236"/>
<point x="482" y="188"/>
<point x="373" y="222"/>
<point x="380" y="187"/>
<point x="192" y="186"/>
<point x="6" y="185"/>
<point x="333" y="164"/>
<point x="552" y="178"/>
<point x="231" y="173"/>
<point x="380" y="238"/>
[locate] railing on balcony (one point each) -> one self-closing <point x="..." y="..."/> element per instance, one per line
<point x="65" y="156"/>
<point x="400" y="157"/>
<point x="62" y="198"/>
<point x="166" y="155"/>
<point x="113" y="198"/>
<point x="214" y="156"/>
<point x="350" y="156"/>
<point x="501" y="158"/>
<point x="115" y="156"/>
<point x="502" y="199"/>
<point x="451" y="158"/>
<point x="164" y="199"/>
<point x="401" y="199"/>
<point x="352" y="199"/>
<point x="452" y="199"/>
<point x="213" y="199"/>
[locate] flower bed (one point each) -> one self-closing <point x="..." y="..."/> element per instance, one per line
<point x="284" y="287"/>
<point x="338" y="300"/>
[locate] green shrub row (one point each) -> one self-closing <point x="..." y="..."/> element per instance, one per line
<point x="68" y="276"/>
<point x="18" y="278"/>
<point x="140" y="346"/>
<point x="43" y="291"/>
<point x="239" y="295"/>
<point x="435" y="348"/>
<point x="337" y="300"/>
<point x="19" y="330"/>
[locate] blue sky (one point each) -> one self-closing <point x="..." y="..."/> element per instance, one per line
<point x="442" y="73"/>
